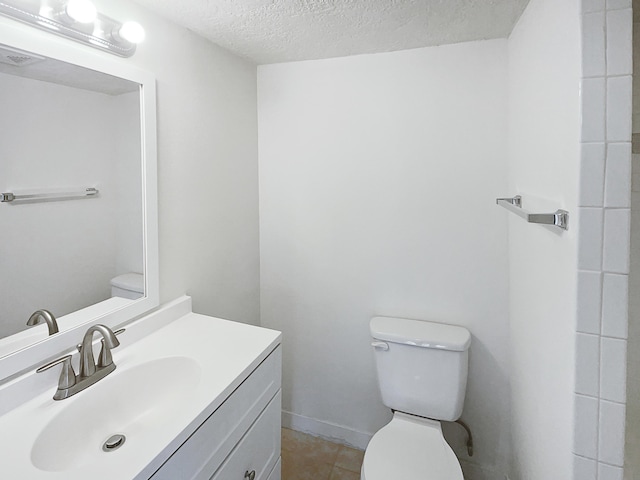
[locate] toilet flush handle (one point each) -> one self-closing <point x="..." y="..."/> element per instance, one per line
<point x="380" y="345"/>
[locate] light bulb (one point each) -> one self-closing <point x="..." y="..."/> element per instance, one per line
<point x="132" y="32"/>
<point x="82" y="11"/>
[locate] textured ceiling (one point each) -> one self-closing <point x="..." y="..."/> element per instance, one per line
<point x="271" y="31"/>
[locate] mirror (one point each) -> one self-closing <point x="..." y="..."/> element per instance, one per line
<point x="79" y="219"/>
<point x="68" y="128"/>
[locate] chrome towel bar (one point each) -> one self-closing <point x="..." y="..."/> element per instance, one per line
<point x="558" y="219"/>
<point x="35" y="197"/>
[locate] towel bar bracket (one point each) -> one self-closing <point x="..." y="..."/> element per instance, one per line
<point x="516" y="201"/>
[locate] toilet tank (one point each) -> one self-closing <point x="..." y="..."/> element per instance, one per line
<point x="422" y="366"/>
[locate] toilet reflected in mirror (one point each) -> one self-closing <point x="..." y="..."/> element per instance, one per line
<point x="128" y="285"/>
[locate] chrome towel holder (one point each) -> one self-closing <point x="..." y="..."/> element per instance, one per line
<point x="48" y="196"/>
<point x="558" y="219"/>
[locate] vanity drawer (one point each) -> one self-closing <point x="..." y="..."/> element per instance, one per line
<point x="204" y="451"/>
<point x="259" y="450"/>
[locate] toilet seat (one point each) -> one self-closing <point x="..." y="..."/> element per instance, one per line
<point x="410" y="447"/>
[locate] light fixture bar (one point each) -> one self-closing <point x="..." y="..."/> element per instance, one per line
<point x="50" y="15"/>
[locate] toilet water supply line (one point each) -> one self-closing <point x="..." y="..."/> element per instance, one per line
<point x="469" y="437"/>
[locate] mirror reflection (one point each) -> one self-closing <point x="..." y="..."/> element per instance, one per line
<point x="65" y="129"/>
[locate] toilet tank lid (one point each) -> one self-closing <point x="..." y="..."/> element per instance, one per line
<point x="420" y="333"/>
<point x="133" y="282"/>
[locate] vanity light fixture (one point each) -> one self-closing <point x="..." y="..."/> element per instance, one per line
<point x="82" y="11"/>
<point x="78" y="20"/>
<point x="131" y="32"/>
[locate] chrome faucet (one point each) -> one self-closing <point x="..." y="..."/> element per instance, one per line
<point x="89" y="373"/>
<point x="49" y="319"/>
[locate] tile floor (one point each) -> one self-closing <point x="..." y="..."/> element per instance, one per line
<point x="305" y="457"/>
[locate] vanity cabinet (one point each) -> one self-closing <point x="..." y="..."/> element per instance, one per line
<point x="196" y="397"/>
<point x="241" y="439"/>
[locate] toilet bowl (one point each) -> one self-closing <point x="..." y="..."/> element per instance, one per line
<point x="410" y="447"/>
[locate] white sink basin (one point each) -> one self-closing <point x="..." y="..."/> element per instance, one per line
<point x="167" y="381"/>
<point x="131" y="402"/>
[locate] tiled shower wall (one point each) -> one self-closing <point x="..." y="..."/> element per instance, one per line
<point x="632" y="443"/>
<point x="604" y="245"/>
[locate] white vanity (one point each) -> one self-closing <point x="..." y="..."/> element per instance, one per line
<point x="195" y="397"/>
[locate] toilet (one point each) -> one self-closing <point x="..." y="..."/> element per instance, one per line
<point x="422" y="374"/>
<point x="128" y="285"/>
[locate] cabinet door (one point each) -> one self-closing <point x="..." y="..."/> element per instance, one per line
<point x="276" y="473"/>
<point x="259" y="450"/>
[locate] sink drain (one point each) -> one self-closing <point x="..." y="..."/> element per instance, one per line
<point x="114" y="442"/>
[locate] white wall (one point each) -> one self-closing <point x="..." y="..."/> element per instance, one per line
<point x="544" y="129"/>
<point x="207" y="166"/>
<point x="62" y="255"/>
<point x="378" y="179"/>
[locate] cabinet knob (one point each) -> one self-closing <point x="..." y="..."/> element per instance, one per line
<point x="251" y="475"/>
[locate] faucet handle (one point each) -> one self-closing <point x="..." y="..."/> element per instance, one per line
<point x="67" y="375"/>
<point x="105" y="359"/>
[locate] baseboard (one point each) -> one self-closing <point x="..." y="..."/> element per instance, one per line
<point x="326" y="430"/>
